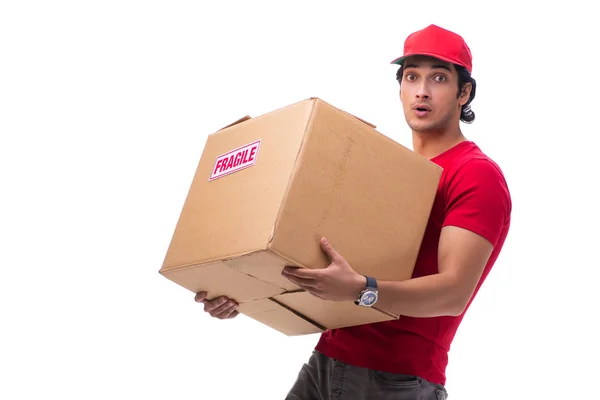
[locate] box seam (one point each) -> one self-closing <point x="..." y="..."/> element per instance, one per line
<point x="212" y="260"/>
<point x="298" y="314"/>
<point x="309" y="123"/>
<point x="291" y="262"/>
<point x="190" y="266"/>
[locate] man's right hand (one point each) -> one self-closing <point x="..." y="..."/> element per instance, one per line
<point x="221" y="307"/>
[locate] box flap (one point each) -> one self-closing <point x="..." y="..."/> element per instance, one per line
<point x="352" y="115"/>
<point x="362" y="120"/>
<point x="220" y="280"/>
<point x="265" y="266"/>
<point x="239" y="121"/>
<point x="279" y="317"/>
<point x="331" y="314"/>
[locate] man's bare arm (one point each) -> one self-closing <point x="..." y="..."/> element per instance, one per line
<point x="462" y="256"/>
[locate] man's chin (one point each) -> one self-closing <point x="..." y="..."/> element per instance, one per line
<point x="423" y="127"/>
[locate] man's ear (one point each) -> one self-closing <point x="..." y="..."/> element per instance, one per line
<point x="465" y="93"/>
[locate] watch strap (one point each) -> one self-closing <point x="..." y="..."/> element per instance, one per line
<point x="371" y="282"/>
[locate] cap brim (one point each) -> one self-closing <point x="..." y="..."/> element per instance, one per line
<point x="399" y="60"/>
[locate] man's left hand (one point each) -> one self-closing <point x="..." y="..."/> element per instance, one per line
<point x="336" y="282"/>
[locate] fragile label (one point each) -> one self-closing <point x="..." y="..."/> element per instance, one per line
<point x="235" y="160"/>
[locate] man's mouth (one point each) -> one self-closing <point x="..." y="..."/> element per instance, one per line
<point x="422" y="108"/>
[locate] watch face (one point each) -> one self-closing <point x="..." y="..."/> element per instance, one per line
<point x="368" y="298"/>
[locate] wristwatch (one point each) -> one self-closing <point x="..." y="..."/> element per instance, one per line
<point x="369" y="295"/>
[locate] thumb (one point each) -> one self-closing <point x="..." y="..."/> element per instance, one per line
<point x="329" y="250"/>
<point x="200" y="297"/>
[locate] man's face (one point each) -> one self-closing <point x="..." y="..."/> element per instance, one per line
<point x="428" y="92"/>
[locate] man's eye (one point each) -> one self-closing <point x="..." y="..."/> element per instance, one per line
<point x="440" y="78"/>
<point x="410" y="77"/>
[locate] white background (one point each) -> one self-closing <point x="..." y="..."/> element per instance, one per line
<point x="104" y="111"/>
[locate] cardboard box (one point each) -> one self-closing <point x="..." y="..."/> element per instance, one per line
<point x="268" y="188"/>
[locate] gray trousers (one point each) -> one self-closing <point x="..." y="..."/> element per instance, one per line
<point x="323" y="378"/>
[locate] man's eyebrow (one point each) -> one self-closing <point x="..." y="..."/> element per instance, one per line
<point x="441" y="66"/>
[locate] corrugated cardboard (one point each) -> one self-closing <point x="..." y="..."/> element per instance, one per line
<point x="304" y="171"/>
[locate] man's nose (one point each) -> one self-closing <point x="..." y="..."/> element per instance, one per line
<point x="423" y="91"/>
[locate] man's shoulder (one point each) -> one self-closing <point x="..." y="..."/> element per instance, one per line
<point x="475" y="194"/>
<point x="473" y="162"/>
<point x="476" y="174"/>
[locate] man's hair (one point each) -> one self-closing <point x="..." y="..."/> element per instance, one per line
<point x="466" y="114"/>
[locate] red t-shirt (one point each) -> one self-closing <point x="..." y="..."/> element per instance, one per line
<point x="473" y="195"/>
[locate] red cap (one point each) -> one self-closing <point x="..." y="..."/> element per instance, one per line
<point x="440" y="43"/>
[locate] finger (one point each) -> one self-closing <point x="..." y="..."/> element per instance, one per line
<point x="200" y="297"/>
<point x="329" y="250"/>
<point x="230" y="313"/>
<point x="210" y="305"/>
<point x="304" y="282"/>
<point x="305" y="273"/>
<point x="314" y="288"/>
<point x="220" y="311"/>
<point x="314" y="292"/>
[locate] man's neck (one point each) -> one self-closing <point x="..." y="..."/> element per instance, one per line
<point x="430" y="145"/>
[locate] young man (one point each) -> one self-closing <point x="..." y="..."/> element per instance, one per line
<point x="470" y="219"/>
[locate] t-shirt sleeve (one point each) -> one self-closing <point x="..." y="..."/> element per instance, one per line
<point x="478" y="199"/>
